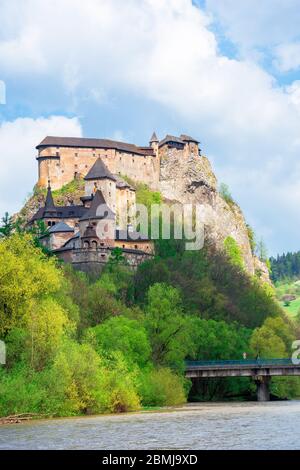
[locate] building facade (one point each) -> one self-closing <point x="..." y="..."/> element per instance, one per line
<point x="61" y="159"/>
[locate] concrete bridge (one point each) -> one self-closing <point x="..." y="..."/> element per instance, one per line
<point x="260" y="370"/>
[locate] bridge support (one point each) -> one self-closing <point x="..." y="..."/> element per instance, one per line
<point x="262" y="387"/>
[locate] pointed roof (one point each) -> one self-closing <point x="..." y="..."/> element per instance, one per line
<point x="154" y="138"/>
<point x="49" y="203"/>
<point x="99" y="209"/>
<point x="99" y="171"/>
<point x="90" y="232"/>
<point x="61" y="227"/>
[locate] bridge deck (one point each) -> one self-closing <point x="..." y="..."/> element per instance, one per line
<point x="242" y="368"/>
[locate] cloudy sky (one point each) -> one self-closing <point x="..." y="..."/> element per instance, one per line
<point x="225" y="71"/>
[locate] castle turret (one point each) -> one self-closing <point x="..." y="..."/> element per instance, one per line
<point x="100" y="178"/>
<point x="101" y="218"/>
<point x="154" y="143"/>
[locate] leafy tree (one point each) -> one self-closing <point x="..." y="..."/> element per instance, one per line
<point x="7" y="226"/>
<point x="124" y="335"/>
<point x="261" y="250"/>
<point x="161" y="387"/>
<point x="273" y="339"/>
<point x="26" y="275"/>
<point x="233" y="251"/>
<point x="168" y="329"/>
<point x="116" y="257"/>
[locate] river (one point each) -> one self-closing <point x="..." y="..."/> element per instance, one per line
<point x="272" y="425"/>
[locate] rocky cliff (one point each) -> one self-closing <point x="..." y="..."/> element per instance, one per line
<point x="191" y="180"/>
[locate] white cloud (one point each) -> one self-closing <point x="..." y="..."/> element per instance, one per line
<point x="18" y="139"/>
<point x="287" y="57"/>
<point x="257" y="23"/>
<point x="165" y="51"/>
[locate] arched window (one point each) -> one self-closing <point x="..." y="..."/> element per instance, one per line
<point x="94" y="244"/>
<point x="86" y="244"/>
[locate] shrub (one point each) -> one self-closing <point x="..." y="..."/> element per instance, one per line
<point x="161" y="387"/>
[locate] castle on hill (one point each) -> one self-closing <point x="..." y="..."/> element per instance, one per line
<point x="61" y="159"/>
<point x="86" y="234"/>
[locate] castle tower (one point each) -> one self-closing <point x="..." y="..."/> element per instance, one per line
<point x="101" y="219"/>
<point x="100" y="178"/>
<point x="154" y="143"/>
<point x="49" y="203"/>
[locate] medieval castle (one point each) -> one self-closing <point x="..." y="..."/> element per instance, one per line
<point x="86" y="234"/>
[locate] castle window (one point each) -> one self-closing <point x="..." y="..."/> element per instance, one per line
<point x="101" y="244"/>
<point x="86" y="244"/>
<point x="94" y="154"/>
<point x="57" y="154"/>
<point x="135" y="246"/>
<point x="103" y="256"/>
<point x="123" y="246"/>
<point x="94" y="244"/>
<point x="76" y="154"/>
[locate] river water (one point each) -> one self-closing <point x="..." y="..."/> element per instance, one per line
<point x="272" y="425"/>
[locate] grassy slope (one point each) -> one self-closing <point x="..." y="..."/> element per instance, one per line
<point x="289" y="287"/>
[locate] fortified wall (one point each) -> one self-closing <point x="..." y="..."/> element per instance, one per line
<point x="61" y="159"/>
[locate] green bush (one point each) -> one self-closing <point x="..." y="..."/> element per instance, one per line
<point x="161" y="387"/>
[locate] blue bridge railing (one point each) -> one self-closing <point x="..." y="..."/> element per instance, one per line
<point x="245" y="362"/>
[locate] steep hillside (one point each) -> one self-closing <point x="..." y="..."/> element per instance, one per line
<point x="193" y="181"/>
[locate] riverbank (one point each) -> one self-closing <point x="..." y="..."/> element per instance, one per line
<point x="248" y="425"/>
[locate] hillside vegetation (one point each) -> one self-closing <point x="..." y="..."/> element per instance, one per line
<point x="77" y="345"/>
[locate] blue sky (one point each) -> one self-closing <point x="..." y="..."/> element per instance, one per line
<point x="227" y="72"/>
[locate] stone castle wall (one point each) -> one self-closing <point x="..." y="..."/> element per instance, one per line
<point x="63" y="164"/>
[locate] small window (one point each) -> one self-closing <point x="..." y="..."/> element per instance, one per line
<point x="76" y="154"/>
<point x="135" y="246"/>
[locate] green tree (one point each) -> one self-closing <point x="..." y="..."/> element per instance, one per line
<point x="273" y="339"/>
<point x="121" y="334"/>
<point x="26" y="276"/>
<point x="169" y="331"/>
<point x="7" y="225"/>
<point x="233" y="252"/>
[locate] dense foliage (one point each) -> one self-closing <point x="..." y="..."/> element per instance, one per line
<point x="286" y="266"/>
<point x="78" y="345"/>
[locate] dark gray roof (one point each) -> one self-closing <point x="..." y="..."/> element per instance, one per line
<point x="99" y="171"/>
<point x="90" y="232"/>
<point x="60" y="212"/>
<point x="122" y="183"/>
<point x="99" y="209"/>
<point x="171" y="138"/>
<point x="82" y="142"/>
<point x="49" y="203"/>
<point x="188" y="138"/>
<point x="60" y="227"/>
<point x="154" y="138"/>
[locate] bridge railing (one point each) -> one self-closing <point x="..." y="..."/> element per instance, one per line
<point x="250" y="362"/>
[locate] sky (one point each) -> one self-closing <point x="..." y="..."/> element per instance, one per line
<point x="225" y="71"/>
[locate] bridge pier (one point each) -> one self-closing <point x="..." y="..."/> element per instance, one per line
<point x="262" y="388"/>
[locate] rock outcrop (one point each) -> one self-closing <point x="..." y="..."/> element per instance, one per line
<point x="191" y="180"/>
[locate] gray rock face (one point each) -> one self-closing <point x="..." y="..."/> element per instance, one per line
<point x="191" y="180"/>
